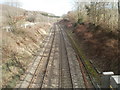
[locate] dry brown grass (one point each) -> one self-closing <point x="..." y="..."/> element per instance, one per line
<point x="20" y="45"/>
<point x="18" y="50"/>
<point x="101" y="46"/>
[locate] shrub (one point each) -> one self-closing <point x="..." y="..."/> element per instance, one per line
<point x="80" y="20"/>
<point x="31" y="18"/>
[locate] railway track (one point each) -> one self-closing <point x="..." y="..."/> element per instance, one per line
<point x="56" y="66"/>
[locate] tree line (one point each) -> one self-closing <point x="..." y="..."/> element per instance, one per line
<point x="105" y="14"/>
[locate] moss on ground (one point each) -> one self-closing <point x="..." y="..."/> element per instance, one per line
<point x="81" y="53"/>
<point x="11" y="73"/>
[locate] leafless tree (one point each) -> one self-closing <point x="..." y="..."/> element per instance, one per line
<point x="99" y="13"/>
<point x="10" y="16"/>
<point x="14" y="3"/>
<point x="119" y="14"/>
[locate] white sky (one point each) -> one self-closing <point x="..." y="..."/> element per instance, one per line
<point x="57" y="7"/>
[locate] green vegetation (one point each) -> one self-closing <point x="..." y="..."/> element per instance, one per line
<point x="46" y="14"/>
<point x="13" y="81"/>
<point x="80" y="20"/>
<point x="13" y="76"/>
<point x="81" y="53"/>
<point x="31" y="18"/>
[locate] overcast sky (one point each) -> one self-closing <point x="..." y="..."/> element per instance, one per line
<point x="57" y="7"/>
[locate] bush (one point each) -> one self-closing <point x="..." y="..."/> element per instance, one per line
<point x="75" y="24"/>
<point x="80" y="20"/>
<point x="31" y="19"/>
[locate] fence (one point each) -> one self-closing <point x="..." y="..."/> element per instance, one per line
<point x="109" y="80"/>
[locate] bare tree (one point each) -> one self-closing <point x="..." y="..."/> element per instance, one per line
<point x="11" y="16"/>
<point x="118" y="14"/>
<point x="14" y="3"/>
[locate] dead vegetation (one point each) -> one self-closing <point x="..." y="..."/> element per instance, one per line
<point x="97" y="26"/>
<point x="20" y="43"/>
<point x="99" y="46"/>
<point x="18" y="49"/>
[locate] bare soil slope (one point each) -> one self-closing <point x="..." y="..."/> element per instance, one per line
<point x="99" y="45"/>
